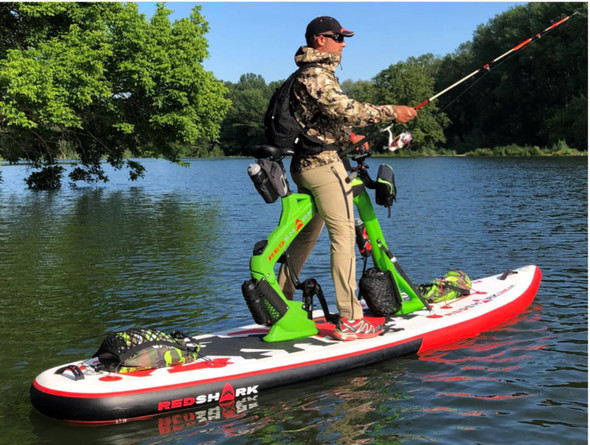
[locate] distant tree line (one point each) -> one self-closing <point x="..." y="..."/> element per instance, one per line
<point x="98" y="81"/>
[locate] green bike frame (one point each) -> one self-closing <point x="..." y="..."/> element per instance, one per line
<point x="297" y="211"/>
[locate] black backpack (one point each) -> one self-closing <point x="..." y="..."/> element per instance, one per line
<point x="280" y="126"/>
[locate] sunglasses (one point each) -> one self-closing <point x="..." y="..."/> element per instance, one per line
<point x="336" y="37"/>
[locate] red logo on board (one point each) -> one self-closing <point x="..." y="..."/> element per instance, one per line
<point x="227" y="394"/>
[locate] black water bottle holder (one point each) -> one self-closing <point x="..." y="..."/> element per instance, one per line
<point x="270" y="181"/>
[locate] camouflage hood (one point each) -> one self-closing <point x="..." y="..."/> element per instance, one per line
<point x="306" y="54"/>
<point x="322" y="107"/>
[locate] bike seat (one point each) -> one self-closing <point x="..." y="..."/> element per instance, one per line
<point x="271" y="152"/>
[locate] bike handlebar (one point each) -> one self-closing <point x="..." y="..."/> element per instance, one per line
<point x="349" y="150"/>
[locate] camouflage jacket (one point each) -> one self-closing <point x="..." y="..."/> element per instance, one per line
<point x="317" y="90"/>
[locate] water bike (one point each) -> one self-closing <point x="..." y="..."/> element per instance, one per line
<point x="290" y="320"/>
<point x="290" y="341"/>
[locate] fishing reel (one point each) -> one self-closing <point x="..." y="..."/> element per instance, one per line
<point x="400" y="141"/>
<point x="397" y="143"/>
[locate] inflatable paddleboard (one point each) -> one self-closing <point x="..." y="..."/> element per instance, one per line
<point x="238" y="364"/>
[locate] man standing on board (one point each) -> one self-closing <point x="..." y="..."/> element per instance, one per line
<point x="328" y="116"/>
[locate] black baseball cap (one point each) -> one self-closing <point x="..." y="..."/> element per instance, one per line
<point x="325" y="24"/>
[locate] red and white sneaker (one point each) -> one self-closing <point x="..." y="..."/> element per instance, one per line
<point x="347" y="330"/>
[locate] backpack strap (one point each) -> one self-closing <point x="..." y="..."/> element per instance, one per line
<point x="310" y="139"/>
<point x="295" y="75"/>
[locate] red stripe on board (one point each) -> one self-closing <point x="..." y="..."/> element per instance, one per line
<point x="215" y="363"/>
<point x="215" y="379"/>
<point x="483" y="323"/>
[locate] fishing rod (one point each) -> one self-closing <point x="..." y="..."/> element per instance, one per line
<point x="489" y="66"/>
<point x="405" y="138"/>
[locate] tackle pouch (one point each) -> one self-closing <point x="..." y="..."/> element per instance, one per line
<point x="453" y="284"/>
<point x="269" y="179"/>
<point x="141" y="349"/>
<point x="265" y="304"/>
<point x="385" y="191"/>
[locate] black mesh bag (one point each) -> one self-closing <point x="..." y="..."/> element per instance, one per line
<point x="140" y="349"/>
<point x="380" y="292"/>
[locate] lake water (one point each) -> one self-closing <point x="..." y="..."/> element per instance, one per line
<point x="171" y="251"/>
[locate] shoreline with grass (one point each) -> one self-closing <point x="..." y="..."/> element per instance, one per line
<point x="513" y="150"/>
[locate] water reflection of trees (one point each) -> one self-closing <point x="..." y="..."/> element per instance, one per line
<point x="100" y="261"/>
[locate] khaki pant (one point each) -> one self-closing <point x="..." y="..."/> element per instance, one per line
<point x="333" y="197"/>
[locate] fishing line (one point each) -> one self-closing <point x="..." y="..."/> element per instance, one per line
<point x="480" y="78"/>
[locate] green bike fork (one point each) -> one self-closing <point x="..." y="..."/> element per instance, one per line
<point x="381" y="254"/>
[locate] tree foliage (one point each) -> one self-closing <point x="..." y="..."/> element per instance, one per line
<point x="97" y="80"/>
<point x="361" y="90"/>
<point x="243" y="126"/>
<point x="410" y="83"/>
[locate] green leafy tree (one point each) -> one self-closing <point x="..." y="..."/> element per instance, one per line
<point x="458" y="104"/>
<point x="409" y="83"/>
<point x="98" y="81"/>
<point x="243" y="126"/>
<point x="361" y="90"/>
